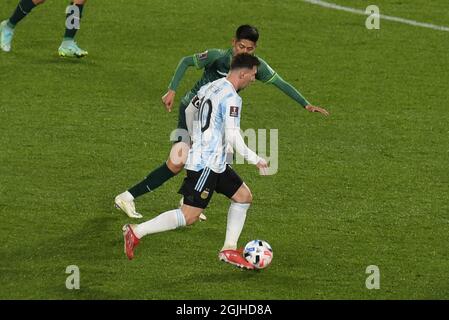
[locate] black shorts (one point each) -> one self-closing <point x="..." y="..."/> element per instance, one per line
<point x="198" y="187"/>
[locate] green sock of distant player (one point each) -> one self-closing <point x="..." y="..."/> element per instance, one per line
<point x="154" y="180"/>
<point x="68" y="47"/>
<point x="23" y="8"/>
<point x="7" y="26"/>
<point x="70" y="33"/>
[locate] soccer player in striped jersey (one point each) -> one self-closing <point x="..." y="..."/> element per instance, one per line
<point x="220" y="109"/>
<point x="68" y="47"/>
<point x="215" y="63"/>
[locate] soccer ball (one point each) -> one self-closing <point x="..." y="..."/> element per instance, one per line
<point x="258" y="253"/>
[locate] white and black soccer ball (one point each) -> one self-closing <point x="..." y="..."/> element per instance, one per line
<point x="258" y="253"/>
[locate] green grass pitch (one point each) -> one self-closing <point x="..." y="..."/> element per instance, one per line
<point x="368" y="185"/>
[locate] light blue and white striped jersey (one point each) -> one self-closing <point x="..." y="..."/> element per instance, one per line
<point x="219" y="109"/>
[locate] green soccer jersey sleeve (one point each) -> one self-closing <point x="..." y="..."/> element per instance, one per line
<point x="264" y="72"/>
<point x="180" y="70"/>
<point x="267" y="75"/>
<point x="200" y="60"/>
<point x="289" y="90"/>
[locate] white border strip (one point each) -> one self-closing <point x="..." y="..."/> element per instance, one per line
<point x="390" y="18"/>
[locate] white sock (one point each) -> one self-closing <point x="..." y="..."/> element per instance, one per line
<point x="127" y="196"/>
<point x="166" y="221"/>
<point x="236" y="220"/>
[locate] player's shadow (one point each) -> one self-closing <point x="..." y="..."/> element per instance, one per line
<point x="58" y="291"/>
<point x="50" y="60"/>
<point x="56" y="60"/>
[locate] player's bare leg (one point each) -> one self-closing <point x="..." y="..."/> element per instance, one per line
<point x="176" y="162"/>
<point x="178" y="157"/>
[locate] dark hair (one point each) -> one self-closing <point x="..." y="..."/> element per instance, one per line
<point x="247" y="32"/>
<point x="244" y="60"/>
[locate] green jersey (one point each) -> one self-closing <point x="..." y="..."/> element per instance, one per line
<point x="216" y="64"/>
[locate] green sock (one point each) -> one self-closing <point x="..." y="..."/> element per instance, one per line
<point x="71" y="32"/>
<point x="23" y="8"/>
<point x="154" y="180"/>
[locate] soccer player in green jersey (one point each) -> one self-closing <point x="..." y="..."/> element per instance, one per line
<point x="68" y="47"/>
<point x="216" y="64"/>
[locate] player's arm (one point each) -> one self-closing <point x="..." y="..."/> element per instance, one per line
<point x="235" y="139"/>
<point x="291" y="91"/>
<point x="200" y="60"/>
<point x="268" y="75"/>
<point x="169" y="97"/>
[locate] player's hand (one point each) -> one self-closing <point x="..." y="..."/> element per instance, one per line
<point x="263" y="167"/>
<point x="311" y="108"/>
<point x="168" y="99"/>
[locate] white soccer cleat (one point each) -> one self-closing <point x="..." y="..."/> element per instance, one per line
<point x="127" y="206"/>
<point x="202" y="216"/>
<point x="6" y="35"/>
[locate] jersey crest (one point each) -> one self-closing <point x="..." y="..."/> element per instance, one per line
<point x="202" y="56"/>
<point x="234" y="112"/>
